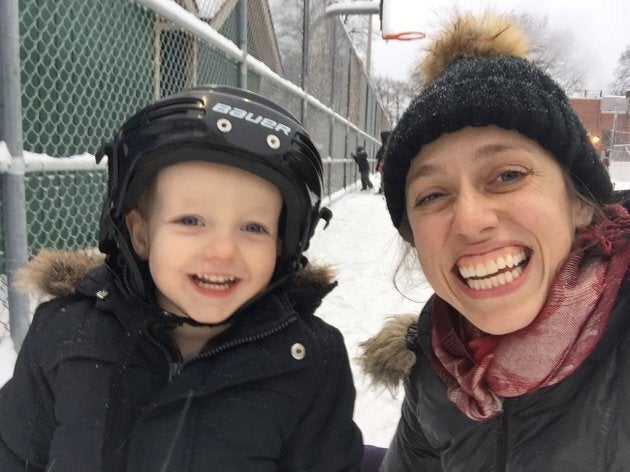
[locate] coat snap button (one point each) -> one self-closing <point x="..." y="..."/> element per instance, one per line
<point x="298" y="351"/>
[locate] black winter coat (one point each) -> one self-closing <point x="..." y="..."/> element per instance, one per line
<point x="361" y="158"/>
<point x="96" y="388"/>
<point x="581" y="424"/>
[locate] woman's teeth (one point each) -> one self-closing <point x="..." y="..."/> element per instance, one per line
<point x="493" y="273"/>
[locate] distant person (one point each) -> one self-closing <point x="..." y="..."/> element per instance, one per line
<point x="361" y="158"/>
<point x="380" y="155"/>
<point x="519" y="360"/>
<point x="194" y="346"/>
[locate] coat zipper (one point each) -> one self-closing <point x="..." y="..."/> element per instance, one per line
<point x="176" y="367"/>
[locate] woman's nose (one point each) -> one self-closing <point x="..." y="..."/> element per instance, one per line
<point x="474" y="214"/>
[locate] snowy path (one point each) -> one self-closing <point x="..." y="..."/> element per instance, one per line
<point x="363" y="247"/>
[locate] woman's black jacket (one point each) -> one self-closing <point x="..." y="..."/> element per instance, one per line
<point x="96" y="389"/>
<point x="581" y="424"/>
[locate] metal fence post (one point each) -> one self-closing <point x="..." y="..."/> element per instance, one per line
<point x="346" y="152"/>
<point x="242" y="37"/>
<point x="331" y="148"/>
<point x="13" y="187"/>
<point x="306" y="42"/>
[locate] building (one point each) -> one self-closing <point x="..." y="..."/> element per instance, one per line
<point x="607" y="120"/>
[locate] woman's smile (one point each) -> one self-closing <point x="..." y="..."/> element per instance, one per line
<point x="483" y="273"/>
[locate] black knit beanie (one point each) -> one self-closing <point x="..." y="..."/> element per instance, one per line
<point x="477" y="75"/>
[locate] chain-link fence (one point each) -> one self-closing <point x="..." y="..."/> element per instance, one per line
<point x="620" y="145"/>
<point x="86" y="65"/>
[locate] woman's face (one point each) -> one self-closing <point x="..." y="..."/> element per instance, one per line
<point x="492" y="223"/>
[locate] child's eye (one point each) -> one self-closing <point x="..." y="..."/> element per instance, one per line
<point x="189" y="221"/>
<point x="255" y="228"/>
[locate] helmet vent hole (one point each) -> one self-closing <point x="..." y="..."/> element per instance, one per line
<point x="273" y="141"/>
<point x="225" y="126"/>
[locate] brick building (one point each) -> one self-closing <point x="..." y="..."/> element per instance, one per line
<point x="608" y="123"/>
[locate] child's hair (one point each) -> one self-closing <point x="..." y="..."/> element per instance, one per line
<point x="219" y="124"/>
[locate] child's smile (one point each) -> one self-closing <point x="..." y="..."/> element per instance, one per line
<point x="214" y="285"/>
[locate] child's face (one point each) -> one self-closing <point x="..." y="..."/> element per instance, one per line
<point x="210" y="236"/>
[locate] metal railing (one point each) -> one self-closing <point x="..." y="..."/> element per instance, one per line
<point x="66" y="85"/>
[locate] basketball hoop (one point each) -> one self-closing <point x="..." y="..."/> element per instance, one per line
<point x="403" y="36"/>
<point x="395" y="23"/>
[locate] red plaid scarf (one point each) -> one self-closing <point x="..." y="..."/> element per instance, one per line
<point x="480" y="370"/>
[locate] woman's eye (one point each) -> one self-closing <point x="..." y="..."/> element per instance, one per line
<point x="510" y="175"/>
<point x="426" y="199"/>
<point x="189" y="221"/>
<point x="255" y="228"/>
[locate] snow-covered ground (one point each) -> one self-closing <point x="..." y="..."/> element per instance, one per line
<point x="365" y="250"/>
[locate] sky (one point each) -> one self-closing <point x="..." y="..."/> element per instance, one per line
<point x="599" y="29"/>
<point x="364" y="249"/>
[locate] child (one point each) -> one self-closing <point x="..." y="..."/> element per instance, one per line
<point x="193" y="347"/>
<point x="361" y="158"/>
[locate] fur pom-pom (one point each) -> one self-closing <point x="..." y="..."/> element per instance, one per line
<point x="386" y="358"/>
<point x="468" y="35"/>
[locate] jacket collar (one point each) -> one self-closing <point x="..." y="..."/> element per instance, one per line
<point x="56" y="273"/>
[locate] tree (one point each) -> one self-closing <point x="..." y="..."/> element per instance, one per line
<point x="395" y="95"/>
<point x="287" y="18"/>
<point x="621" y="77"/>
<point x="553" y="52"/>
<point x="288" y="24"/>
<point x="357" y="27"/>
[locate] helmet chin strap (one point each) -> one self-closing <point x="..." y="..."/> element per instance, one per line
<point x="277" y="282"/>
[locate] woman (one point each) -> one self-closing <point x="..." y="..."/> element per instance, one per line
<point x="519" y="361"/>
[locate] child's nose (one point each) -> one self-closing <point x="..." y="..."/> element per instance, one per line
<point x="220" y="245"/>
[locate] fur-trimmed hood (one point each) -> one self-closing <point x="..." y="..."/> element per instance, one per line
<point x="386" y="357"/>
<point x="53" y="273"/>
<point x="56" y="273"/>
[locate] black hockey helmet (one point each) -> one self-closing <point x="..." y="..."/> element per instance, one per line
<point x="218" y="124"/>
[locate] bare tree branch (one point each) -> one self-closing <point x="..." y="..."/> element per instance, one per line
<point x="621" y="76"/>
<point x="553" y="51"/>
<point x="395" y="95"/>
